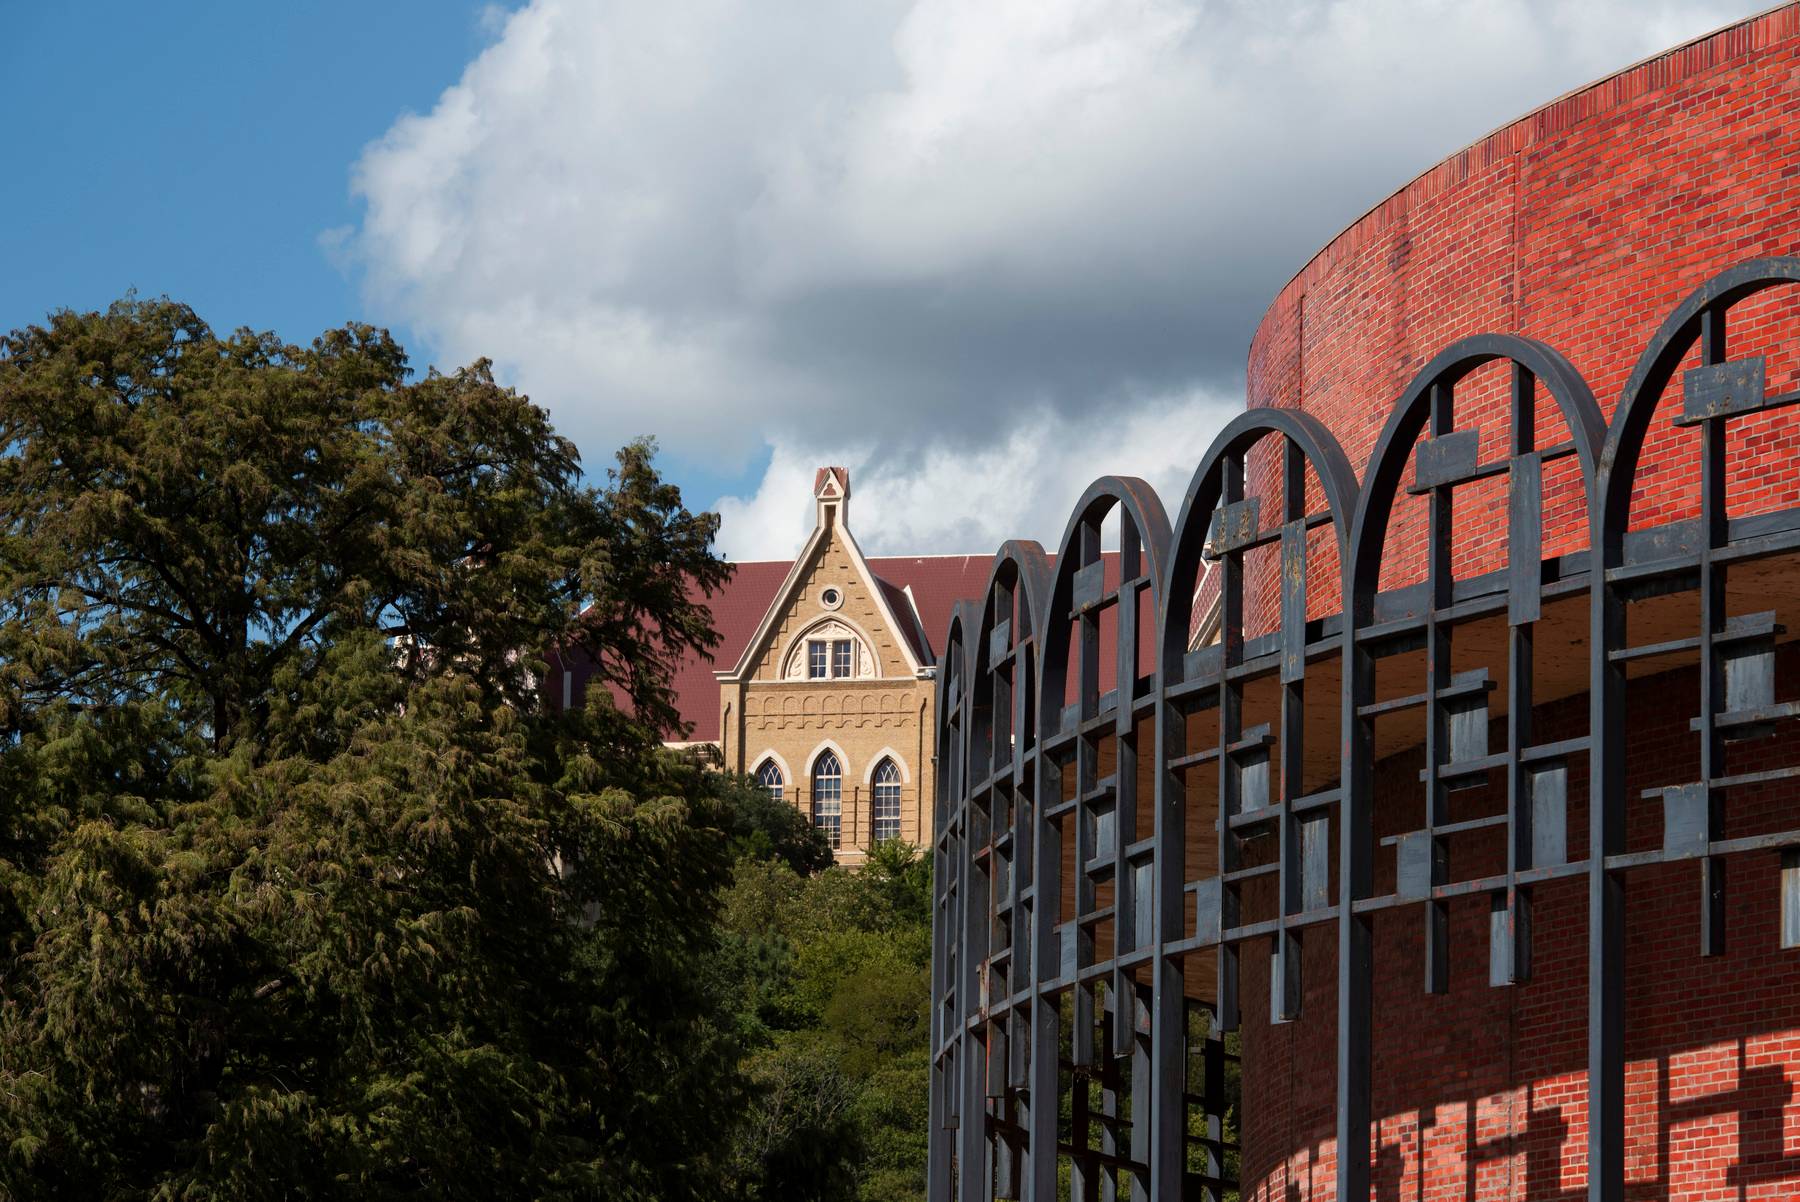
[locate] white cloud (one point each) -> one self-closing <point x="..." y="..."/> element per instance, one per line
<point x="892" y="223"/>
<point x="970" y="499"/>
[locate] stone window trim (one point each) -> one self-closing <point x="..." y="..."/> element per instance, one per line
<point x="819" y="749"/>
<point x="831" y="597"/>
<point x="796" y="660"/>
<point x="885" y="800"/>
<point x="772" y="759"/>
<point x="886" y="753"/>
<point x="826" y="794"/>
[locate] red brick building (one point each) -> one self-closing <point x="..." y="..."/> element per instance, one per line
<point x="1480" y="823"/>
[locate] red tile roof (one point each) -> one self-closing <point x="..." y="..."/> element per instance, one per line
<point x="936" y="583"/>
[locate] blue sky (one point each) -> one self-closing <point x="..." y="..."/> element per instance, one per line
<point x="201" y="148"/>
<point x="198" y="149"/>
<point x="978" y="252"/>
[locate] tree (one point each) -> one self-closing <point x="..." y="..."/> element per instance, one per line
<point x="831" y="974"/>
<point x="768" y="828"/>
<point x="302" y="894"/>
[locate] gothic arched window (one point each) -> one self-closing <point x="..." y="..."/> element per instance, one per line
<point x="769" y="777"/>
<point x="828" y="795"/>
<point x="887" y="800"/>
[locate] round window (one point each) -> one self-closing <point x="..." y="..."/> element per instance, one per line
<point x="831" y="598"/>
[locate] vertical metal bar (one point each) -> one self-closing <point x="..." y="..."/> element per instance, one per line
<point x="1356" y="962"/>
<point x="1126" y="937"/>
<point x="1168" y="1006"/>
<point x="971" y="1131"/>
<point x="1356" y="845"/>
<point x="1517" y="929"/>
<point x="1109" y="1099"/>
<point x="1042" y="1087"/>
<point x="1213" y="1091"/>
<point x="1231" y="697"/>
<point x="1606" y="889"/>
<point x="1511" y="963"/>
<point x="1285" y="984"/>
<point x="937" y="1152"/>
<point x="1439" y="533"/>
<point x="1712" y="621"/>
<point x="1081" y="1047"/>
<point x="1142" y="1119"/>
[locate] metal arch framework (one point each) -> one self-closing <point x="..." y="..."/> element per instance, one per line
<point x="1086" y="812"/>
<point x="1220" y="523"/>
<point x="1455" y="705"/>
<point x="1081" y="962"/>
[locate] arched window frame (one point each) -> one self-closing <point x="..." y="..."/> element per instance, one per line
<point x="770" y="776"/>
<point x="884" y="812"/>
<point x="828" y="795"/>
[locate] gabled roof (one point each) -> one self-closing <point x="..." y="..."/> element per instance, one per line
<point x="894" y="612"/>
<point x="932" y="585"/>
<point x="923" y="588"/>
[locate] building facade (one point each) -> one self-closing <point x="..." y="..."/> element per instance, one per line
<point x="823" y="683"/>
<point x="831" y="701"/>
<point x="1475" y="833"/>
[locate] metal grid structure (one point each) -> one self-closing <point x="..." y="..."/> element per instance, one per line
<point x="1103" y="855"/>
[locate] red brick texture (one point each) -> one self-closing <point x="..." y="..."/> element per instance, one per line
<point x="1480" y="1093"/>
<point x="1582" y="225"/>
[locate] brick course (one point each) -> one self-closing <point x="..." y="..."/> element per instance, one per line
<point x="1582" y="225"/>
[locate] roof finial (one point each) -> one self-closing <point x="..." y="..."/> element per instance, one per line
<point x="831" y="489"/>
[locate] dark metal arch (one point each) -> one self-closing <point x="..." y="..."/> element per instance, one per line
<point x="1717" y="392"/>
<point x="991" y="1104"/>
<point x="952" y="666"/>
<point x="1060" y="957"/>
<point x="1219" y="477"/>
<point x="1147" y="515"/>
<point x="1187" y="544"/>
<point x="1392" y="451"/>
<point x="988" y="835"/>
<point x="1655" y="368"/>
<point x="1428" y="399"/>
<point x="950" y="767"/>
<point x="1029" y="566"/>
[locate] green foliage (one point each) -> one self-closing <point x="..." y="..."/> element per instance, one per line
<point x="834" y="974"/>
<point x="301" y="893"/>
<point x="763" y="828"/>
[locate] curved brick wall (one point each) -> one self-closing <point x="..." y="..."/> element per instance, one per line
<point x="1582" y="225"/>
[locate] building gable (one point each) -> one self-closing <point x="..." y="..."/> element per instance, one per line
<point x="807" y="609"/>
<point x="832" y="580"/>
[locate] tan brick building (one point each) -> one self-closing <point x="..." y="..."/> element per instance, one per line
<point x="830" y="700"/>
<point x="824" y="682"/>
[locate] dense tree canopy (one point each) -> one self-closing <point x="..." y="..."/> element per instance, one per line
<point x="303" y="894"/>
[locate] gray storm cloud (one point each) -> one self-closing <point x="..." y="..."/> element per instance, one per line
<point x="853" y="231"/>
